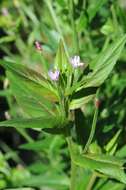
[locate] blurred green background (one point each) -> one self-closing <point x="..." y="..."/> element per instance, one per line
<point x="86" y="29"/>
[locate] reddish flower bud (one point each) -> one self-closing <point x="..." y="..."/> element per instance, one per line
<point x="38" y="46"/>
<point x="97" y="102"/>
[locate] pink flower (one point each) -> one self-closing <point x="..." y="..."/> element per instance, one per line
<point x="38" y="46"/>
<point x="54" y="75"/>
<point x="75" y="61"/>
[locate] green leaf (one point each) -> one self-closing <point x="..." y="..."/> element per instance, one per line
<point x="32" y="91"/>
<point x="82" y="22"/>
<point x="5" y="92"/>
<point x="30" y="76"/>
<point x="61" y="62"/>
<point x="111" y="53"/>
<point x="82" y="97"/>
<point x="52" y="39"/>
<point x="105" y="184"/>
<point x="83" y="178"/>
<point x="108" y="28"/>
<point x="77" y="103"/>
<point x="38" y="167"/>
<point x="7" y="39"/>
<point x="44" y="144"/>
<point x="109" y="165"/>
<point x="41" y="122"/>
<point x="30" y="96"/>
<point x="94" y="7"/>
<point x="103" y="64"/>
<point x="121" y="152"/>
<point x="112" y="142"/>
<point x="4" y="167"/>
<point x="36" y="146"/>
<point x="49" y="180"/>
<point x="50" y="144"/>
<point x="25" y="188"/>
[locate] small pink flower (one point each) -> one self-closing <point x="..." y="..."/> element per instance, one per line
<point x="38" y="46"/>
<point x="54" y="75"/>
<point x="75" y="61"/>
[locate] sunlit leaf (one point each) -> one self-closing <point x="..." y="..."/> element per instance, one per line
<point x="30" y="76"/>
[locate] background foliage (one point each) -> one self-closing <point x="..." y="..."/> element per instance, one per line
<point x="93" y="29"/>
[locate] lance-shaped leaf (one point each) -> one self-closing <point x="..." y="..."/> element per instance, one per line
<point x="40" y="122"/>
<point x="78" y="103"/>
<point x="94" y="7"/>
<point x="106" y="164"/>
<point x="30" y="76"/>
<point x="61" y="62"/>
<point x="30" y="96"/>
<point x="51" y="179"/>
<point x="104" y="184"/>
<point x="45" y="144"/>
<point x="82" y="97"/>
<point x="37" y="145"/>
<point x="112" y="144"/>
<point x="103" y="64"/>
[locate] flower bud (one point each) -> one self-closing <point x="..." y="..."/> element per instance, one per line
<point x="38" y="46"/>
<point x="97" y="102"/>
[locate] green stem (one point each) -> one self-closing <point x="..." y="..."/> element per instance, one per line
<point x="92" y="130"/>
<point x="106" y="43"/>
<point x="88" y="39"/>
<point x="73" y="175"/>
<point x="51" y="10"/>
<point x="25" y="135"/>
<point x="115" y="20"/>
<point x="75" y="35"/>
<point x="73" y="167"/>
<point x="92" y="181"/>
<point x="84" y="4"/>
<point x="93" y="127"/>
